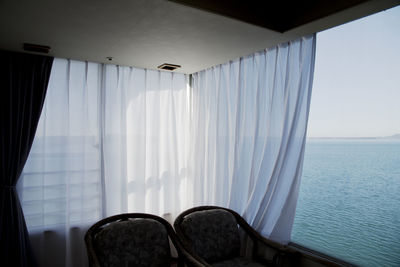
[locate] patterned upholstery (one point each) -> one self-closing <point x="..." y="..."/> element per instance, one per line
<point x="214" y="234"/>
<point x="238" y="262"/>
<point x="135" y="242"/>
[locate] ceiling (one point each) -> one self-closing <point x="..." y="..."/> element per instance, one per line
<point x="279" y="16"/>
<point x="147" y="33"/>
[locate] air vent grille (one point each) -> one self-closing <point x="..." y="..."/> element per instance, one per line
<point x="36" y="48"/>
<point x="167" y="66"/>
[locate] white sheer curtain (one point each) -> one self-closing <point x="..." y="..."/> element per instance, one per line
<point x="60" y="186"/>
<point x="117" y="139"/>
<point x="146" y="127"/>
<point x="110" y="140"/>
<point x="250" y="120"/>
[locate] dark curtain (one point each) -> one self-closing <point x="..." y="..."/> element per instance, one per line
<point x="23" y="85"/>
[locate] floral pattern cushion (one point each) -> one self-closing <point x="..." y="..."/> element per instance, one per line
<point x="238" y="262"/>
<point x="137" y="242"/>
<point x="213" y="234"/>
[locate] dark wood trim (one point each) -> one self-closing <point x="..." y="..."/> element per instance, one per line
<point x="319" y="256"/>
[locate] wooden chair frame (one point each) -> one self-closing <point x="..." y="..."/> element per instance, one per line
<point x="94" y="229"/>
<point x="196" y="260"/>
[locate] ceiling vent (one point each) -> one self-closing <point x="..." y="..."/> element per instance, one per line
<point x="167" y="66"/>
<point x="37" y="48"/>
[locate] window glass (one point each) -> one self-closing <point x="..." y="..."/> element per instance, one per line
<point x="349" y="199"/>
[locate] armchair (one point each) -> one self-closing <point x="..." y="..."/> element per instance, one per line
<point x="132" y="239"/>
<point x="212" y="236"/>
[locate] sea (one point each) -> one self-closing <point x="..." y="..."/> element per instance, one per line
<point x="349" y="200"/>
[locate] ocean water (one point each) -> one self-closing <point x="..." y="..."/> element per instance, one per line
<point x="349" y="201"/>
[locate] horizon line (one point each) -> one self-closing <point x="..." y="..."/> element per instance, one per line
<point x="394" y="136"/>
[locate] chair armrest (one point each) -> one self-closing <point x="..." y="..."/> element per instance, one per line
<point x="256" y="237"/>
<point x="265" y="241"/>
<point x="192" y="261"/>
<point x="189" y="258"/>
<point x="282" y="253"/>
<point x="93" y="260"/>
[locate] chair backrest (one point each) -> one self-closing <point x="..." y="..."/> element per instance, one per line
<point x="213" y="234"/>
<point x="129" y="240"/>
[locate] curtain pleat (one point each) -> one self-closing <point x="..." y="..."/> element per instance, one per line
<point x="110" y="140"/>
<point x="24" y="80"/>
<point x="250" y="117"/>
<point x="115" y="139"/>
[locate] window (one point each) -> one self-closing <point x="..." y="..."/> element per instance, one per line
<point x="348" y="202"/>
<point x="61" y="178"/>
<point x="65" y="181"/>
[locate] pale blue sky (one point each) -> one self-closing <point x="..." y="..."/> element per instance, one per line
<point x="356" y="90"/>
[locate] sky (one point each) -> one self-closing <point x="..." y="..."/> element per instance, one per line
<point x="356" y="90"/>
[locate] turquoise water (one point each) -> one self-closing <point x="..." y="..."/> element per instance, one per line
<point x="349" y="201"/>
